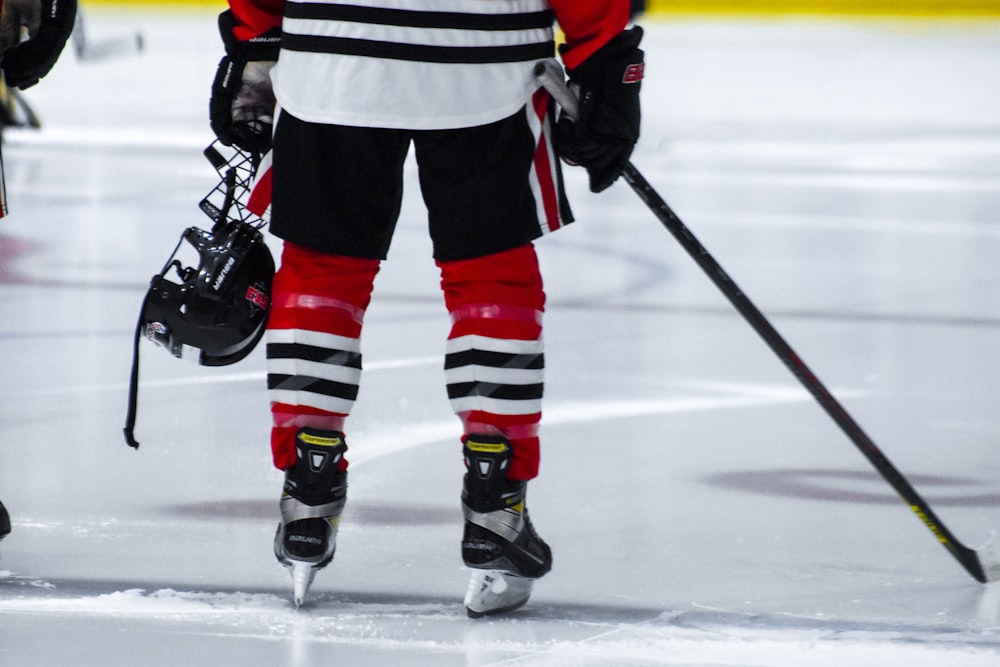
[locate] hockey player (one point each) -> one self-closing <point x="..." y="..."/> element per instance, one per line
<point x="47" y="25"/>
<point x="356" y="84"/>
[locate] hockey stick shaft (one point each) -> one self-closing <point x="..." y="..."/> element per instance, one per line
<point x="966" y="556"/>
<point x="551" y="78"/>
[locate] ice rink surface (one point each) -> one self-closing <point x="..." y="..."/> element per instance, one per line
<point x="702" y="509"/>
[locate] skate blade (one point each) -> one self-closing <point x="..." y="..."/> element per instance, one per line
<point x="495" y="592"/>
<point x="302" y="578"/>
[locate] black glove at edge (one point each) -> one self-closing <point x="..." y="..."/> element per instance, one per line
<point x="25" y="64"/>
<point x="253" y="134"/>
<point x="607" y="125"/>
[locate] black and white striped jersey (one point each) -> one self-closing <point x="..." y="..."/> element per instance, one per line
<point x="413" y="64"/>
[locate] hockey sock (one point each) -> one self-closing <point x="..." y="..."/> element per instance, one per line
<point x="314" y="343"/>
<point x="494" y="365"/>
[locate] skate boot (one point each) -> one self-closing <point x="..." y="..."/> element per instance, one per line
<point x="311" y="503"/>
<point x="4" y="522"/>
<point x="499" y="542"/>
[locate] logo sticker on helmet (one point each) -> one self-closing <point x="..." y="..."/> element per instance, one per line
<point x="258" y="297"/>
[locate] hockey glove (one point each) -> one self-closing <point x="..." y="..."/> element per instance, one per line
<point x="606" y="129"/>
<point x="18" y="15"/>
<point x="49" y="24"/>
<point x="242" y="105"/>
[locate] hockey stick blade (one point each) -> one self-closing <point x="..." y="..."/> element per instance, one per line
<point x="989" y="557"/>
<point x="114" y="47"/>
<point x="982" y="564"/>
<point x="90" y="51"/>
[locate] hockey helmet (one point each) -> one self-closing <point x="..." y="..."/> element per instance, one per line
<point x="214" y="313"/>
<point x="214" y="310"/>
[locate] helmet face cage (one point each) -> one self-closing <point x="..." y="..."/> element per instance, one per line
<point x="227" y="200"/>
<point x="215" y="313"/>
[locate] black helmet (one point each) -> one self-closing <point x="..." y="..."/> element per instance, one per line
<point x="215" y="311"/>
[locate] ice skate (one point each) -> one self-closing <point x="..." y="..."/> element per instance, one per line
<point x="499" y="541"/>
<point x="4" y="522"/>
<point x="311" y="504"/>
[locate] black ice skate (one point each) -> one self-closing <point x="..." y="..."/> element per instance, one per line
<point x="4" y="522"/>
<point x="311" y="504"/>
<point x="499" y="543"/>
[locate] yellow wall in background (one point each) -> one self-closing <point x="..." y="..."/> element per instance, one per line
<point x="207" y="4"/>
<point x="831" y="7"/>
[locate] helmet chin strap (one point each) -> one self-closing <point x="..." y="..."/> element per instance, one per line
<point x="133" y="383"/>
<point x="133" y="389"/>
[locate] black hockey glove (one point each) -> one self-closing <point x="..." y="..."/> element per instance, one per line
<point x="48" y="31"/>
<point x="606" y="129"/>
<point x="16" y="16"/>
<point x="241" y="109"/>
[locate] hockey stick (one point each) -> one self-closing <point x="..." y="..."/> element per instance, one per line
<point x="982" y="563"/>
<point x="91" y="51"/>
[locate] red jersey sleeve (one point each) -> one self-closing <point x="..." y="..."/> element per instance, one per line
<point x="588" y="25"/>
<point x="255" y="17"/>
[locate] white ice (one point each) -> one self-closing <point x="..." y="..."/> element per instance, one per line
<point x="702" y="508"/>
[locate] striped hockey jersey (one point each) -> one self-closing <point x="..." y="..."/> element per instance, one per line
<point x="420" y="64"/>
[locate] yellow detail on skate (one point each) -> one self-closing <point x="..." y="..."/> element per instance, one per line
<point x="486" y="447"/>
<point x="319" y="440"/>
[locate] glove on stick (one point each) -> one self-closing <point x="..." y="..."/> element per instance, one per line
<point x="607" y="124"/>
<point x="241" y="108"/>
<point x="28" y="61"/>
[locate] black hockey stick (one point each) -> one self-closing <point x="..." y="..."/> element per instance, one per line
<point x="88" y="50"/>
<point x="982" y="563"/>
